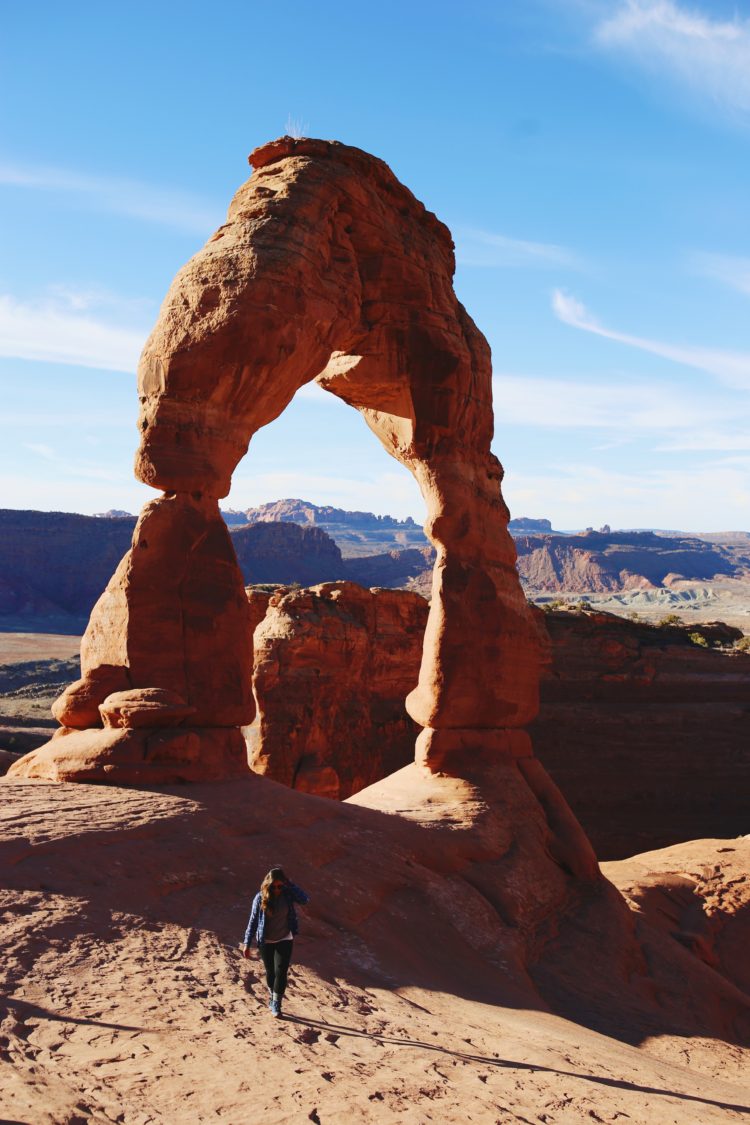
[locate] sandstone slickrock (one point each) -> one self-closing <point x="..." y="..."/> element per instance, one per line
<point x="332" y="667"/>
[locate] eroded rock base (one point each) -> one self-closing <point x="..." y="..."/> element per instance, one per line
<point x="145" y="756"/>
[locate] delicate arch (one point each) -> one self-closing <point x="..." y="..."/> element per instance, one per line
<point x="327" y="268"/>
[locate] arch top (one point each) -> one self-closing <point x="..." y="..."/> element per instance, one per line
<point x="371" y="168"/>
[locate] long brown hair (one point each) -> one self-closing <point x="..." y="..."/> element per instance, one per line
<point x="275" y="875"/>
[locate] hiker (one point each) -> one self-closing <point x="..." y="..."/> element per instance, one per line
<point x="273" y="920"/>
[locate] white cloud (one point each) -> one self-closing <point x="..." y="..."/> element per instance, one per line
<point x="41" y="450"/>
<point x="709" y="55"/>
<point x="50" y="331"/>
<point x="729" y="270"/>
<point x="483" y="248"/>
<point x="712" y="497"/>
<point x="732" y="368"/>
<point x="522" y="400"/>
<point x="706" y="441"/>
<point x="165" y="206"/>
<point x="57" y="493"/>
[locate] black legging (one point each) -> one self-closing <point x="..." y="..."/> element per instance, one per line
<point x="276" y="957"/>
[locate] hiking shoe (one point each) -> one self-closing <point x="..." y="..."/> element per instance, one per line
<point x="275" y="1006"/>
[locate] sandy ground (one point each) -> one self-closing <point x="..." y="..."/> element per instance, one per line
<point x="698" y="603"/>
<point x="17" y="648"/>
<point x="125" y="999"/>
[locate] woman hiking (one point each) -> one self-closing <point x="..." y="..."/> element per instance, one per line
<point x="273" y="920"/>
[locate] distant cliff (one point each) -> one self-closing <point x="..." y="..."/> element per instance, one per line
<point x="599" y="561"/>
<point x="54" y="565"/>
<point x="646" y="732"/>
<point x="286" y="553"/>
<point x="356" y="533"/>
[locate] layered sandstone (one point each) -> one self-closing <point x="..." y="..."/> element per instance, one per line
<point x="632" y="717"/>
<point x="332" y="668"/>
<point x="605" y="561"/>
<point x="327" y="268"/>
<point x="646" y="732"/>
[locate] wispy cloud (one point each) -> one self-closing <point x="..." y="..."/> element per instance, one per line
<point x="732" y="368"/>
<point x="50" y="331"/>
<point x="476" y="247"/>
<point x="165" y="206"/>
<point x="716" y="495"/>
<point x="709" y="55"/>
<point x="41" y="450"/>
<point x="539" y="402"/>
<point x="729" y="270"/>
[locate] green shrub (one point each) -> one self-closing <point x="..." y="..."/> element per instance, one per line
<point x="698" y="639"/>
<point x="550" y="607"/>
<point x="743" y="644"/>
<point x="670" y="619"/>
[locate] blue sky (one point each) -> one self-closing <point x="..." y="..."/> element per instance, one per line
<point x="591" y="159"/>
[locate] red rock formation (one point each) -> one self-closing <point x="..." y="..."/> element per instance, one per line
<point x="647" y="733"/>
<point x="633" y="716"/>
<point x="326" y="268"/>
<point x="333" y="665"/>
<point x="170" y="632"/>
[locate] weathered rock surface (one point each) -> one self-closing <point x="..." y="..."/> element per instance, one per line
<point x="173" y="619"/>
<point x="332" y="668"/>
<point x="646" y="733"/>
<point x="412" y="997"/>
<point x="327" y="268"/>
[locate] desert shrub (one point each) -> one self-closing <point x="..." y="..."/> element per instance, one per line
<point x="670" y="619"/>
<point x="549" y="607"/>
<point x="743" y="644"/>
<point x="698" y="639"/>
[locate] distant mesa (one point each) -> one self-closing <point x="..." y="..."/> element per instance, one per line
<point x="114" y="514"/>
<point x="524" y="523"/>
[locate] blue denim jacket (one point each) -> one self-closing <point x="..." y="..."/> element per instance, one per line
<point x="257" y="923"/>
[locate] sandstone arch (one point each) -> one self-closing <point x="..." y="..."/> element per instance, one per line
<point x="327" y="268"/>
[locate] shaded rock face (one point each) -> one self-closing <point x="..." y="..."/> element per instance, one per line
<point x="647" y="734"/>
<point x="285" y="553"/>
<point x="53" y="565"/>
<point x="327" y="268"/>
<point x="333" y="666"/>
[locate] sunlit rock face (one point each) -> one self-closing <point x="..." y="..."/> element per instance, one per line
<point x="332" y="667"/>
<point x="327" y="268"/>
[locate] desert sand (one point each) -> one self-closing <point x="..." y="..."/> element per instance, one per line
<point x="126" y="1000"/>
